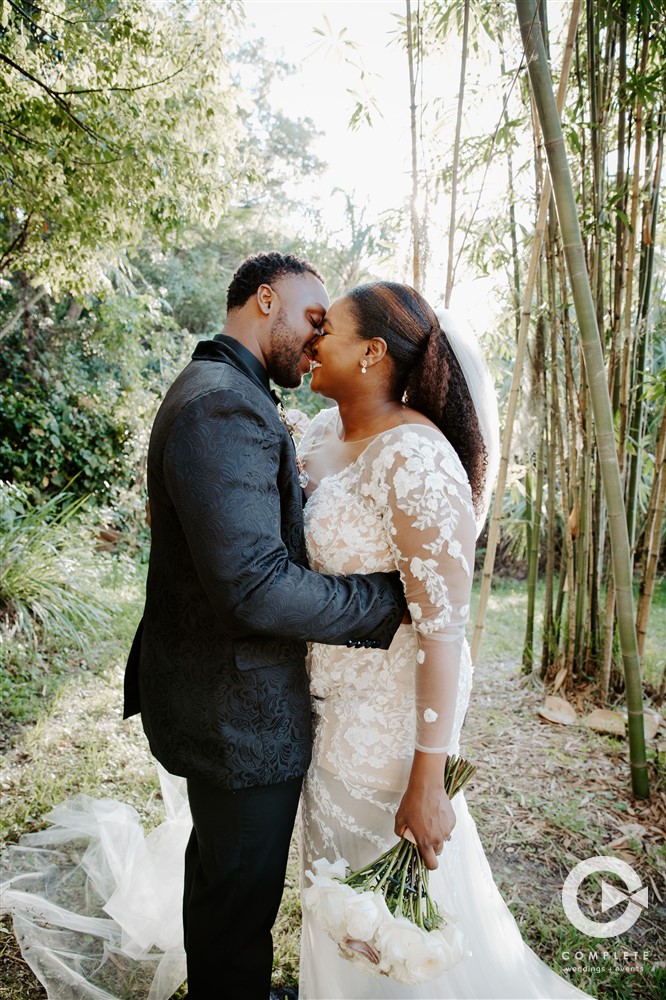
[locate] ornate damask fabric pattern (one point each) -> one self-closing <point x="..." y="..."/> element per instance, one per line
<point x="230" y="598"/>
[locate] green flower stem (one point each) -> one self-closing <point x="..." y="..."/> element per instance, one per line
<point x="400" y="874"/>
<point x="401" y="894"/>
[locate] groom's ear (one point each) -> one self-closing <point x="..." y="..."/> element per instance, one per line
<point x="264" y="298"/>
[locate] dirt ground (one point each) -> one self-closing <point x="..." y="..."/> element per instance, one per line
<point x="545" y="797"/>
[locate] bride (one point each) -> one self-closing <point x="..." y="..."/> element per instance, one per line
<point x="400" y="474"/>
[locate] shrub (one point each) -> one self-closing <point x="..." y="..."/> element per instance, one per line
<point x="47" y="575"/>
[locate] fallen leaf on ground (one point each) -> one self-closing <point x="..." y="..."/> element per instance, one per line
<point x="558" y="710"/>
<point x="605" y="721"/>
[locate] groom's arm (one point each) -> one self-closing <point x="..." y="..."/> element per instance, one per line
<point x="221" y="465"/>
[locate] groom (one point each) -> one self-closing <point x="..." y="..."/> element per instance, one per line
<point x="217" y="668"/>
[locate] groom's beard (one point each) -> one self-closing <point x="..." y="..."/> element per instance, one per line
<point x="286" y="354"/>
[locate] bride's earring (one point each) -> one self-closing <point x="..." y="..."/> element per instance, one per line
<point x="364" y="367"/>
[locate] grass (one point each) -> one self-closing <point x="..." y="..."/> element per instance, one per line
<point x="504" y="633"/>
<point x="529" y="801"/>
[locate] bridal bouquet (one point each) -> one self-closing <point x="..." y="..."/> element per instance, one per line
<point x="382" y="916"/>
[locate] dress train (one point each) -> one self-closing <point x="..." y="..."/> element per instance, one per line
<point x="96" y="903"/>
<point x="499" y="965"/>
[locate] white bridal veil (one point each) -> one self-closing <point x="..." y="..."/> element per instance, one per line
<point x="480" y="384"/>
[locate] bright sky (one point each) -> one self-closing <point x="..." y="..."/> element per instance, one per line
<point x="374" y="163"/>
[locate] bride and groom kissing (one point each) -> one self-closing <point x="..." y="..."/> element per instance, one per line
<point x="316" y="651"/>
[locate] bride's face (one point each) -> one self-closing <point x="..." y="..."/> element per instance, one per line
<point x="337" y="353"/>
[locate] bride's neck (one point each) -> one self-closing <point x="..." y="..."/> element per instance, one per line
<point x="364" y="416"/>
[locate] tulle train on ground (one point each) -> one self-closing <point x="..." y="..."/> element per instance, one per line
<point x="96" y="904"/>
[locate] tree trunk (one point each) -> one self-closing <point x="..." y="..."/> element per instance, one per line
<point x="493" y="531"/>
<point x="416" y="227"/>
<point x="21" y="312"/>
<point x="450" y="275"/>
<point x="594" y="363"/>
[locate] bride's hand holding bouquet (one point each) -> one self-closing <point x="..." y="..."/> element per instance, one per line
<point x="382" y="916"/>
<point x="425" y="815"/>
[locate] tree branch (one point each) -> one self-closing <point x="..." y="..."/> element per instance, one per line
<point x="16" y="243"/>
<point x="21" y="311"/>
<point x="57" y="98"/>
<point x="126" y="90"/>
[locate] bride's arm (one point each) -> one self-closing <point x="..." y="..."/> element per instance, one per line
<point x="432" y="532"/>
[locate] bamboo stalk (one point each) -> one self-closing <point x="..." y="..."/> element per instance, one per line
<point x="649" y="233"/>
<point x="631" y="254"/>
<point x="534" y="532"/>
<point x="512" y="403"/>
<point x="609" y="638"/>
<point x="654" y="523"/>
<point x="620" y="225"/>
<point x="416" y="235"/>
<point x="456" y="158"/>
<point x="582" y="556"/>
<point x="512" y="200"/>
<point x="594" y="363"/>
<point x="569" y="501"/>
<point x="548" y="646"/>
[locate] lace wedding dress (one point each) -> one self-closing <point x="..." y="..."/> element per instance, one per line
<point x="399" y="500"/>
<point x="97" y="905"/>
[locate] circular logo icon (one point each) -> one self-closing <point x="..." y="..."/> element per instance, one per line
<point x="636" y="897"/>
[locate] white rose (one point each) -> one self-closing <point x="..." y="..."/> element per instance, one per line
<point x="432" y="961"/>
<point x="363" y="955"/>
<point x="364" y="914"/>
<point x="337" y="869"/>
<point x="328" y="903"/>
<point x="454" y="941"/>
<point x="400" y="942"/>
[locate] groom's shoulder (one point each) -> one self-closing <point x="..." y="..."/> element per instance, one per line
<point x="214" y="379"/>
<point x="201" y="391"/>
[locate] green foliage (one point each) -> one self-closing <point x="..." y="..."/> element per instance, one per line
<point x="117" y="120"/>
<point x="77" y="399"/>
<point x="45" y="569"/>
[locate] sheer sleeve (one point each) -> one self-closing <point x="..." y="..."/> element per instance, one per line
<point x="418" y="481"/>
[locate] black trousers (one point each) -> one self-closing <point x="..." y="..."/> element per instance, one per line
<point x="235" y="864"/>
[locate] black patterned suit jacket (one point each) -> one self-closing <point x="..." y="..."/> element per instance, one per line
<point x="217" y="667"/>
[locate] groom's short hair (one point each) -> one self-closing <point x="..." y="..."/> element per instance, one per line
<point x="262" y="269"/>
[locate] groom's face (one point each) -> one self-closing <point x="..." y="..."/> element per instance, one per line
<point x="298" y="312"/>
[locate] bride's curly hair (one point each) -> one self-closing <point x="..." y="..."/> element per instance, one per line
<point x="427" y="375"/>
